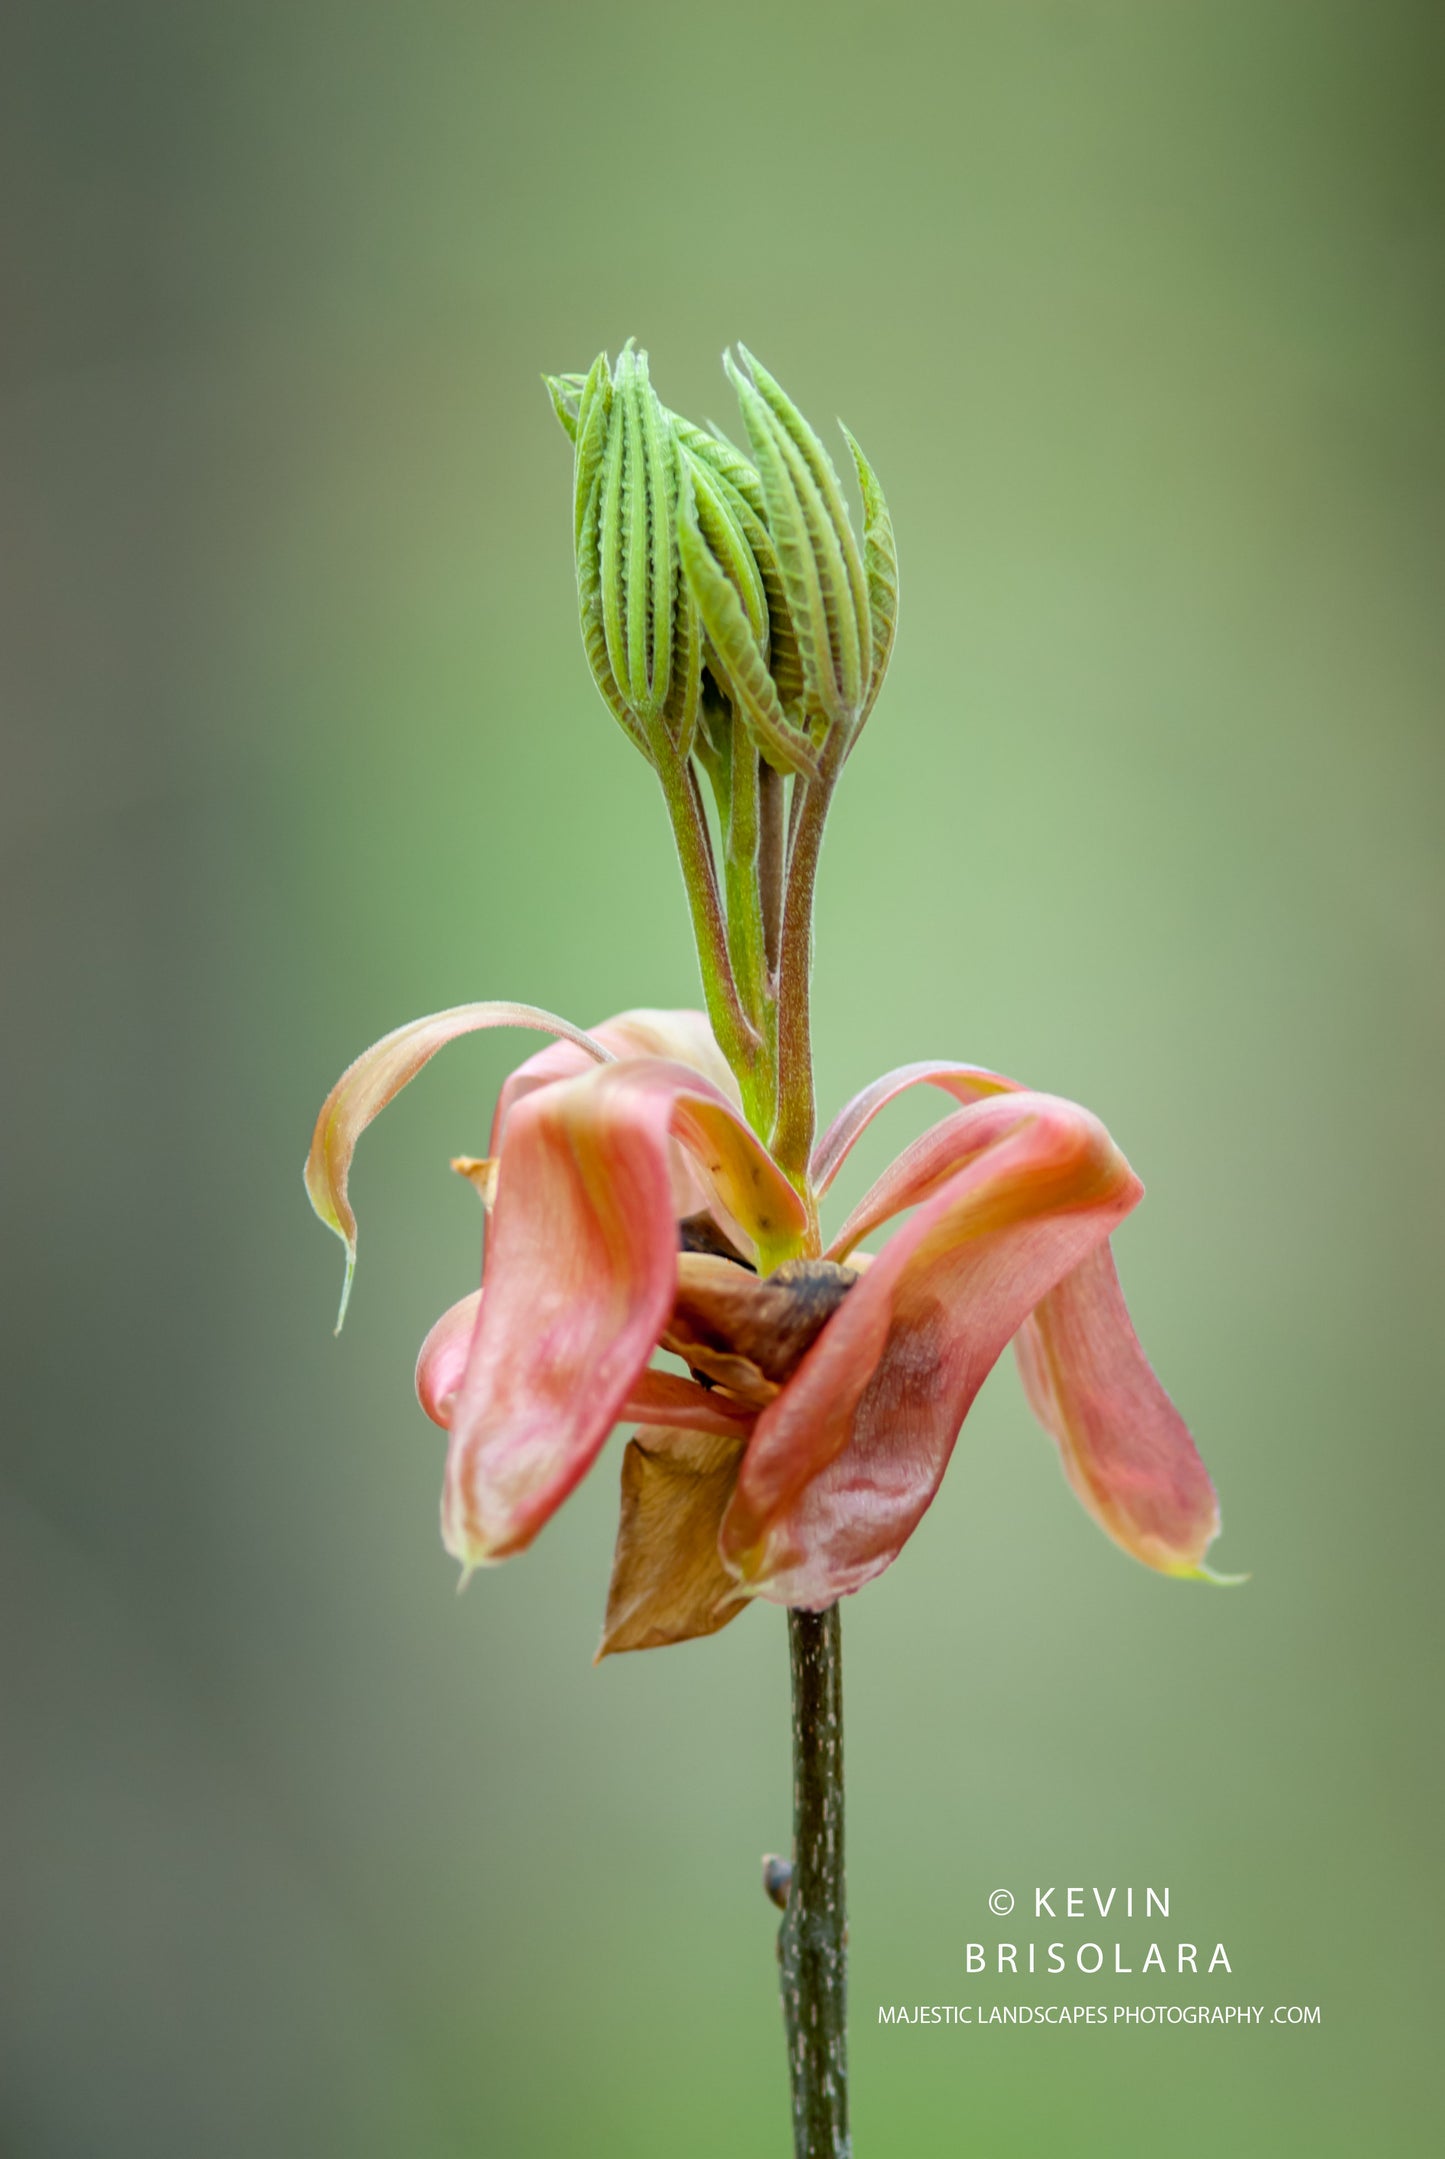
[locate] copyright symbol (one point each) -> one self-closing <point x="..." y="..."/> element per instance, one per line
<point x="1001" y="1903"/>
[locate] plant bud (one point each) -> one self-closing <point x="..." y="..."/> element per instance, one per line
<point x="693" y="561"/>
<point x="842" y="603"/>
<point x="640" y="627"/>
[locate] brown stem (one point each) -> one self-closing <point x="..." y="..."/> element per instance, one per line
<point x="796" y="800"/>
<point x="813" y="1939"/>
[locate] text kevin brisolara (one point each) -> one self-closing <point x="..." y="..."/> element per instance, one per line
<point x="1123" y="1959"/>
<point x="1136" y="1955"/>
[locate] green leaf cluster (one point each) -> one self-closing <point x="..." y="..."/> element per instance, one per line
<point x="708" y="579"/>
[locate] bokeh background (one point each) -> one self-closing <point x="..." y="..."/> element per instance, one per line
<point x="1137" y="309"/>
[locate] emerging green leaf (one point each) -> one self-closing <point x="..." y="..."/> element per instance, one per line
<point x="639" y="625"/>
<point x="742" y="490"/>
<point x="735" y="647"/>
<point x="563" y="390"/>
<point x="723" y="528"/>
<point x="822" y="571"/>
<point x="880" y="560"/>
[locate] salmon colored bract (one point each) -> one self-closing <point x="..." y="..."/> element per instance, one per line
<point x="604" y="1144"/>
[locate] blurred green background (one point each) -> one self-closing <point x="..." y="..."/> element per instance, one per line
<point x="1137" y="309"/>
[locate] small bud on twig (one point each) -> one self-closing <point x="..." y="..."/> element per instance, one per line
<point x="777" y="1880"/>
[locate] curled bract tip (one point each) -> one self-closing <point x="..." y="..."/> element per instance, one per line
<point x="346" y="1281"/>
<point x="377" y="1076"/>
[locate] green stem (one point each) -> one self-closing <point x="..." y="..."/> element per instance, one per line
<point x="740" y="875"/>
<point x="792" y="1138"/>
<point x="746" y="944"/>
<point x="813" y="1940"/>
<point x="771" y="844"/>
<point x="736" y="1037"/>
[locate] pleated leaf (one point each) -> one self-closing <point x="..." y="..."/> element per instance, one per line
<point x="594" y="634"/>
<point x="685" y="695"/>
<point x="736" y="648"/>
<point x="825" y="479"/>
<point x="565" y="392"/>
<point x="880" y="561"/>
<point x="721" y="528"/>
<point x="594" y="406"/>
<point x="723" y="458"/>
<point x="660" y="465"/>
<point x="740" y="488"/>
<point x="810" y="555"/>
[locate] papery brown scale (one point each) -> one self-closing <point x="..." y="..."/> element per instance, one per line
<point x="668" y="1580"/>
